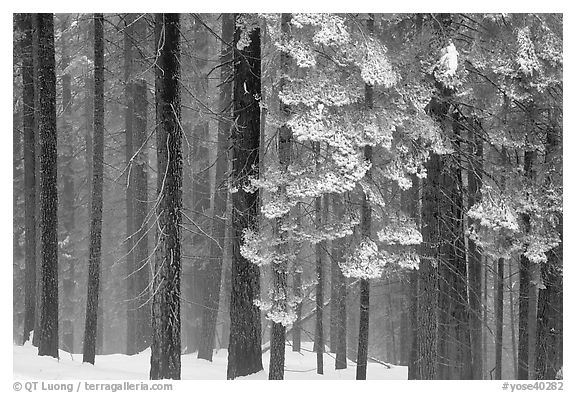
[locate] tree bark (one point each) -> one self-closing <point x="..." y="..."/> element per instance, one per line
<point x="549" y="334"/>
<point x="499" y="314"/>
<point x="475" y="253"/>
<point x="366" y="227"/>
<point x="140" y="211"/>
<point x="67" y="258"/>
<point x="29" y="175"/>
<point x="340" y="286"/>
<point x="131" y="295"/>
<point x="90" y="329"/>
<point x="280" y="269"/>
<point x="214" y="269"/>
<point x="319" y="254"/>
<point x="525" y="285"/>
<point x="44" y="35"/>
<point x="244" y="351"/>
<point x="165" y="360"/>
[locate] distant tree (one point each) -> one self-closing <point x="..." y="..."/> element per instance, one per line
<point x="92" y="303"/>
<point x="44" y="37"/>
<point x="217" y="245"/>
<point x="165" y="360"/>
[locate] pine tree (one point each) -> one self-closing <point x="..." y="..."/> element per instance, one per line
<point x="25" y="21"/>
<point x="214" y="269"/>
<point x="44" y="36"/>
<point x="92" y="303"/>
<point x="244" y="349"/>
<point x="165" y="360"/>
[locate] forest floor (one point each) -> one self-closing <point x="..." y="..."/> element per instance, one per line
<point x="28" y="365"/>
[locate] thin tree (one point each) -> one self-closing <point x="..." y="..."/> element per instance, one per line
<point x="44" y="36"/>
<point x="90" y="328"/>
<point x="279" y="269"/>
<point x="165" y="359"/>
<point x="365" y="227"/>
<point x="549" y="335"/>
<point x="341" y="289"/>
<point x="319" y="254"/>
<point x="214" y="269"/>
<point x="25" y="21"/>
<point x="244" y="349"/>
<point x="131" y="307"/>
<point x="475" y="253"/>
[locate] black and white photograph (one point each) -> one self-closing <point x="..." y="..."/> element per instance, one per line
<point x="287" y="196"/>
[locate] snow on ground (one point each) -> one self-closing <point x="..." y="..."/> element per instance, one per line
<point x="28" y="365"/>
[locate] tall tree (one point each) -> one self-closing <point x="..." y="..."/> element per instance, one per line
<point x="68" y="205"/>
<point x="320" y="252"/>
<point x="140" y="208"/>
<point x="549" y="335"/>
<point x="90" y="328"/>
<point x="214" y="268"/>
<point x="280" y="267"/>
<point x="44" y="36"/>
<point x="244" y="350"/>
<point x="525" y="284"/>
<point x="338" y="246"/>
<point x="475" y="252"/>
<point x="29" y="174"/>
<point x="365" y="227"/>
<point x="131" y="326"/>
<point x="165" y="359"/>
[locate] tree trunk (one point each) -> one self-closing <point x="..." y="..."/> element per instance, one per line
<point x="525" y="285"/>
<point x="366" y="227"/>
<point x="131" y="295"/>
<point x="165" y="360"/>
<point x="140" y="210"/>
<point x="319" y="254"/>
<point x="244" y="351"/>
<point x="29" y="176"/>
<point x="512" y="321"/>
<point x="67" y="257"/>
<point x="44" y="36"/>
<point x="90" y="329"/>
<point x="427" y="321"/>
<point x="280" y="269"/>
<point x="475" y="254"/>
<point x="499" y="315"/>
<point x="549" y="334"/>
<point x="296" y="327"/>
<point x="340" y="286"/>
<point x="214" y="269"/>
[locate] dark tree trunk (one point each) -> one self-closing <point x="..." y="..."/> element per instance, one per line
<point x="67" y="257"/>
<point x="549" y="333"/>
<point x="296" y="327"/>
<point x="498" y="315"/>
<point x="44" y="36"/>
<point x="29" y="175"/>
<point x="280" y="270"/>
<point x="90" y="329"/>
<point x="319" y="255"/>
<point x="131" y="295"/>
<point x="513" y="325"/>
<point x="525" y="286"/>
<point x="244" y="350"/>
<point x="366" y="227"/>
<point x="340" y="288"/>
<point x="410" y="201"/>
<point x="165" y="359"/>
<point x="214" y="269"/>
<point x="475" y="254"/>
<point x="427" y="323"/>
